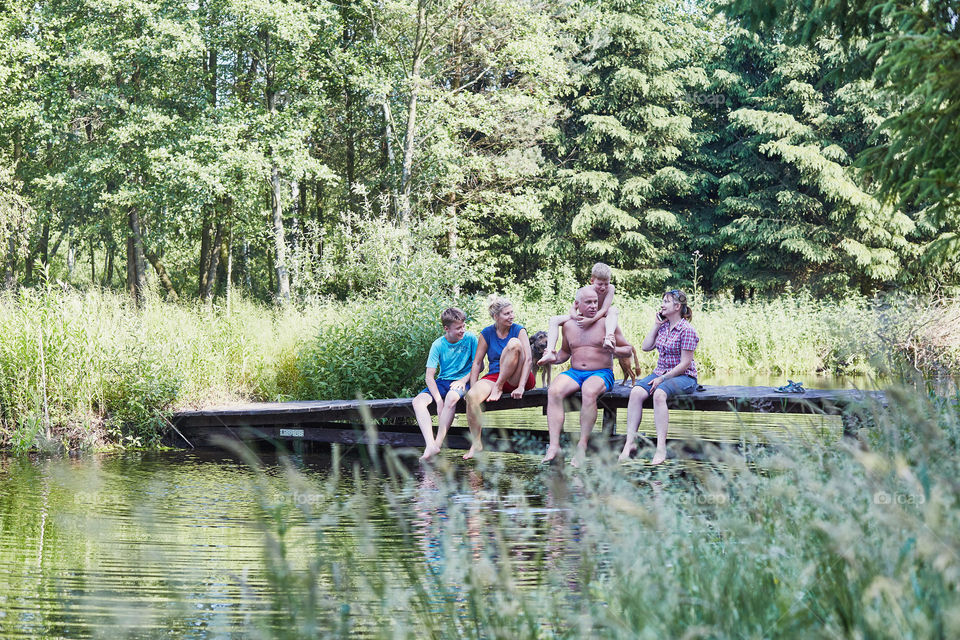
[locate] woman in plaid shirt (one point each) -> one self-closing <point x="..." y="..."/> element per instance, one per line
<point x="676" y="372"/>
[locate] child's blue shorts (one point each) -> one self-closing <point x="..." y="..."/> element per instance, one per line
<point x="580" y="376"/>
<point x="443" y="386"/>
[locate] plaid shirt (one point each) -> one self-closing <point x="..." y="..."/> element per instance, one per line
<point x="670" y="342"/>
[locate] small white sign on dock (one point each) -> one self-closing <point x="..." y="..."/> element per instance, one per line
<point x="291" y="433"/>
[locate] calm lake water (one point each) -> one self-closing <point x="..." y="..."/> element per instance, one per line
<point x="169" y="543"/>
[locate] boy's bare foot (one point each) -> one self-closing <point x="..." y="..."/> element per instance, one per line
<point x="551" y="454"/>
<point x="474" y="450"/>
<point x="627" y="452"/>
<point x="610" y="342"/>
<point x="548" y="357"/>
<point x="659" y="456"/>
<point x="428" y="452"/>
<point x="495" y="394"/>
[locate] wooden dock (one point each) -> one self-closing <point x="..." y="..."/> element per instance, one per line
<point x="343" y="421"/>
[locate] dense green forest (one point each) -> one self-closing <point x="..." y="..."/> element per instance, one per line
<point x="273" y="146"/>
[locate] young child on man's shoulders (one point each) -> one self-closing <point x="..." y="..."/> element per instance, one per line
<point x="600" y="277"/>
<point x="448" y="378"/>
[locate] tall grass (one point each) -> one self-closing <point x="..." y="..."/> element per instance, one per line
<point x="796" y="335"/>
<point x="88" y="369"/>
<point x="808" y="539"/>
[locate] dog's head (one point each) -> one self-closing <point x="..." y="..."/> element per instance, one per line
<point x="538" y="344"/>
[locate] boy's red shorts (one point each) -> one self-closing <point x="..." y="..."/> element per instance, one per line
<point x="507" y="387"/>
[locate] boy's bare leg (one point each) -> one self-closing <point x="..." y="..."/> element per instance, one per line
<point x="510" y="359"/>
<point x="553" y="332"/>
<point x="661" y="418"/>
<point x="593" y="387"/>
<point x="475" y="397"/>
<point x="638" y="395"/>
<point x="610" y="324"/>
<point x="444" y="420"/>
<point x="559" y="389"/>
<point x="421" y="406"/>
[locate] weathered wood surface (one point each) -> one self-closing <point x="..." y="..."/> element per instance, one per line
<point x="341" y="421"/>
<point x="712" y="398"/>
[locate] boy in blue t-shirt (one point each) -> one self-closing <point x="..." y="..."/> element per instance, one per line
<point x="452" y="355"/>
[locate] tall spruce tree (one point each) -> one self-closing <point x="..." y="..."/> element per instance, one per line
<point x="790" y="206"/>
<point x="913" y="51"/>
<point x="624" y="148"/>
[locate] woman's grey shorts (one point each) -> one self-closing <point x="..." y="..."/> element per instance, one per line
<point x="671" y="386"/>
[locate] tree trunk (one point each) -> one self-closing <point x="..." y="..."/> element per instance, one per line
<point x="228" y="283"/>
<point x="388" y="159"/>
<point x="163" y="275"/>
<point x="279" y="239"/>
<point x="411" y="129"/>
<point x="204" y="256"/>
<point x="71" y="255"/>
<point x="108" y="263"/>
<point x="41" y="249"/>
<point x="452" y="235"/>
<point x="247" y="277"/>
<point x="211" y="278"/>
<point x="351" y="148"/>
<point x="10" y="277"/>
<point x="93" y="264"/>
<point x="135" y="258"/>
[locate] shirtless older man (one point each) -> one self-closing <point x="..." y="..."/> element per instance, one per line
<point x="591" y="373"/>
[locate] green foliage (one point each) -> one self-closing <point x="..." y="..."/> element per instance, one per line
<point x="808" y="537"/>
<point x="790" y="206"/>
<point x="622" y="174"/>
<point x="527" y="136"/>
<point x="135" y="396"/>
<point x="908" y="51"/>
<point x="377" y="346"/>
<point x="376" y="349"/>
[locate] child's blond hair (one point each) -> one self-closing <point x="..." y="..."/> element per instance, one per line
<point x="601" y="271"/>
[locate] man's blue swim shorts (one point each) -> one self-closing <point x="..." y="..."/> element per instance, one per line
<point x="580" y="376"/>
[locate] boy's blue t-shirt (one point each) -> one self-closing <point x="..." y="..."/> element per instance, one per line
<point x="495" y="344"/>
<point x="452" y="360"/>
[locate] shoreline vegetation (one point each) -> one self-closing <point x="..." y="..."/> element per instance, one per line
<point x="805" y="538"/>
<point x="86" y="369"/>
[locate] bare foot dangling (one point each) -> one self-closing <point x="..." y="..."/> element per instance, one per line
<point x="627" y="452"/>
<point x="429" y="452"/>
<point x="474" y="450"/>
<point x="551" y="454"/>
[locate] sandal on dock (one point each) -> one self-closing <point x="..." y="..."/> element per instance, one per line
<point x="791" y="387"/>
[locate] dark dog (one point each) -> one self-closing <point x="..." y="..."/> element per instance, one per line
<point x="538" y="344"/>
<point x="630" y="369"/>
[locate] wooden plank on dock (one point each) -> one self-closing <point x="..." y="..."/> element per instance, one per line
<point x="712" y="398"/>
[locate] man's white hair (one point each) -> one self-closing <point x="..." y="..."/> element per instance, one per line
<point x="584" y="290"/>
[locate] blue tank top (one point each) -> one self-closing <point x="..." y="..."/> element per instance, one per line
<point x="495" y="344"/>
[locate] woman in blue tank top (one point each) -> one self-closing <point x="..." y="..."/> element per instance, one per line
<point x="507" y="348"/>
